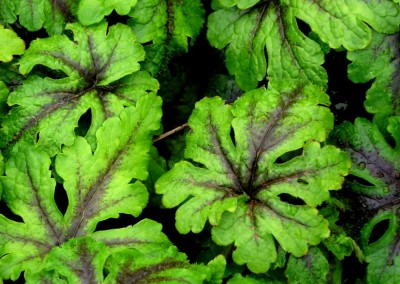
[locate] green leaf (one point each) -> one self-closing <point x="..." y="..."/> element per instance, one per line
<point x="345" y="23"/>
<point x="93" y="11"/>
<point x="253" y="30"/>
<point x="1" y="168"/>
<point x="311" y="268"/>
<point x="379" y="61"/>
<point x="99" y="186"/>
<point x="7" y="9"/>
<point x="169" y="266"/>
<point x="383" y="255"/>
<point x="254" y="279"/>
<point x="10" y="44"/>
<point x="37" y="14"/>
<point x="79" y="260"/>
<point x="3" y="99"/>
<point x="166" y="27"/>
<point x="31" y="14"/>
<point x="101" y="75"/>
<point x="123" y="160"/>
<point x="266" y="26"/>
<point x="243" y="187"/>
<point x="338" y="242"/>
<point x="374" y="160"/>
<point x="83" y="259"/>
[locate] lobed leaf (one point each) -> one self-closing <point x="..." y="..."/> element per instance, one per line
<point x="54" y="15"/>
<point x="346" y="23"/>
<point x="101" y="75"/>
<point x="257" y="32"/>
<point x="338" y="243"/>
<point x="10" y="44"/>
<point x="379" y="61"/>
<point x="170" y="266"/>
<point x="244" y="186"/>
<point x="374" y="160"/>
<point x="311" y="268"/>
<point x="99" y="186"/>
<point x="37" y="14"/>
<point x="7" y="8"/>
<point x="265" y="30"/>
<point x="254" y="279"/>
<point x="93" y="11"/>
<point x="383" y="255"/>
<point x="165" y="27"/>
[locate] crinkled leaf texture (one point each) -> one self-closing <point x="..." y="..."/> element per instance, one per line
<point x="383" y="255"/>
<point x="254" y="279"/>
<point x="137" y="254"/>
<point x="250" y="29"/>
<point x="247" y="186"/>
<point x="165" y="27"/>
<point x="266" y="28"/>
<point x="10" y="44"/>
<point x="53" y="15"/>
<point x="168" y="266"/>
<point x="99" y="186"/>
<point x="338" y="243"/>
<point x="37" y="14"/>
<point x="101" y="68"/>
<point x="311" y="268"/>
<point x="319" y="265"/>
<point x="373" y="160"/>
<point x="379" y="61"/>
<point x="93" y="11"/>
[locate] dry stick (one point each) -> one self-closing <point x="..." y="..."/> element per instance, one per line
<point x="166" y="134"/>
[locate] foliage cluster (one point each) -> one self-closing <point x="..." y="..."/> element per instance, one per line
<point x="261" y="180"/>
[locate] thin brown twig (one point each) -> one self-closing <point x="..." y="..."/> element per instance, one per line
<point x="166" y="134"/>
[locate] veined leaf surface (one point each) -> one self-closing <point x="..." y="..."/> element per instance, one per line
<point x="102" y="75"/>
<point x="166" y="27"/>
<point x="311" y="268"/>
<point x="383" y="255"/>
<point x="99" y="186"/>
<point x="129" y="255"/>
<point x="170" y="266"/>
<point x="244" y="185"/>
<point x="53" y="15"/>
<point x="376" y="164"/>
<point x="379" y="61"/>
<point x="373" y="160"/>
<point x="93" y="11"/>
<point x="257" y="32"/>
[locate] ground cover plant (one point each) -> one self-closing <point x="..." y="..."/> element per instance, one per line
<point x="189" y="141"/>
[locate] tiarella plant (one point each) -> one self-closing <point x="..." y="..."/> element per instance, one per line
<point x="183" y="141"/>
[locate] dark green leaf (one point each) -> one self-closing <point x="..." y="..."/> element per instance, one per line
<point x="252" y="29"/>
<point x="7" y="9"/>
<point x="383" y="255"/>
<point x="379" y="61"/>
<point x="374" y="160"/>
<point x="166" y="26"/>
<point x="311" y="268"/>
<point x="266" y="28"/>
<point x="239" y="279"/>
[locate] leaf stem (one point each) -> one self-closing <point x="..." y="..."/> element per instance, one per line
<point x="169" y="133"/>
